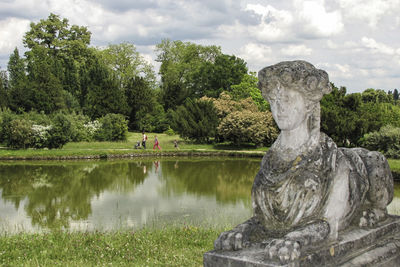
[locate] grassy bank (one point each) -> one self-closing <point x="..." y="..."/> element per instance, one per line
<point x="76" y="150"/>
<point x="170" y="246"/>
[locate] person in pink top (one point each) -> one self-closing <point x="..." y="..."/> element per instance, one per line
<point x="156" y="143"/>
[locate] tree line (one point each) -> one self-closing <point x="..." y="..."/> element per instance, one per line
<point x="202" y="94"/>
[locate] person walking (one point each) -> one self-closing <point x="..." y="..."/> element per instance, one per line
<point x="156" y="143"/>
<point x="176" y="144"/>
<point x="144" y="139"/>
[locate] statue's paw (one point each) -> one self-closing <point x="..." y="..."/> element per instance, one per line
<point x="229" y="240"/>
<point x="284" y="250"/>
<point x="370" y="218"/>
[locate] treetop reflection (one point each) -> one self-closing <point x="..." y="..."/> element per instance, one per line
<point x="56" y="193"/>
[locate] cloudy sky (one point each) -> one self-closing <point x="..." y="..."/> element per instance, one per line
<point x="356" y="41"/>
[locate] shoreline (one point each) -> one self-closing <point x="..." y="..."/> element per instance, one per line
<point x="224" y="153"/>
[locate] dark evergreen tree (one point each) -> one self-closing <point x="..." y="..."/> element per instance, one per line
<point x="395" y="95"/>
<point x="3" y="90"/>
<point x="195" y="120"/>
<point x="103" y="93"/>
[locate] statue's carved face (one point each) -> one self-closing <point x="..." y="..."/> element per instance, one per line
<point x="289" y="108"/>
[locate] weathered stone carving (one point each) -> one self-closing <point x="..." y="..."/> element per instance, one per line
<point x="307" y="189"/>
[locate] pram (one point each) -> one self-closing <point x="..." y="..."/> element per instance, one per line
<point x="137" y="146"/>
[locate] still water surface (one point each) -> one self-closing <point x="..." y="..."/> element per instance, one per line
<point x="112" y="195"/>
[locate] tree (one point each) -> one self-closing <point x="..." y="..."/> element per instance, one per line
<point x="3" y="90"/>
<point x="124" y="60"/>
<point x="65" y="46"/>
<point x="141" y="101"/>
<point x="221" y="75"/>
<point x="195" y="120"/>
<point x="46" y="88"/>
<point x="347" y="118"/>
<point x="191" y="70"/>
<point x="20" y="94"/>
<point x="103" y="93"/>
<point x="248" y="87"/>
<point x="395" y="95"/>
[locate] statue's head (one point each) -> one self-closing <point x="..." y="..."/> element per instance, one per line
<point x="294" y="89"/>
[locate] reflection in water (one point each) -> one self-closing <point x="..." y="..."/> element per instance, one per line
<point x="107" y="194"/>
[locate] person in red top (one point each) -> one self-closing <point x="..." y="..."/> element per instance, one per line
<point x="156" y="144"/>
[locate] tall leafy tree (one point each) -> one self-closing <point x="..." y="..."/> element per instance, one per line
<point x="221" y="75"/>
<point x="191" y="70"/>
<point x="126" y="62"/>
<point x="248" y="87"/>
<point x="65" y="46"/>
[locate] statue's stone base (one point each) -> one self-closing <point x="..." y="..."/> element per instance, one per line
<point x="379" y="246"/>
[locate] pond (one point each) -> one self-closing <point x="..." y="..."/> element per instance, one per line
<point x="117" y="194"/>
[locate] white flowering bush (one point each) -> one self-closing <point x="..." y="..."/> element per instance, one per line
<point x="41" y="135"/>
<point x="91" y="128"/>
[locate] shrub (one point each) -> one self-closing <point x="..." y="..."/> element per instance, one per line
<point x="40" y="136"/>
<point x="6" y="117"/>
<point x="60" y="132"/>
<point x="20" y="133"/>
<point x="91" y="129"/>
<point x="79" y="132"/>
<point x="241" y="121"/>
<point x="169" y="132"/>
<point x="386" y="140"/>
<point x="114" y="127"/>
<point x="248" y="127"/>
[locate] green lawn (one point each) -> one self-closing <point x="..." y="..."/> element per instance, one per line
<point x="104" y="149"/>
<point x="169" y="246"/>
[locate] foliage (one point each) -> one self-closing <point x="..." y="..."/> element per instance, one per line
<point x="195" y="120"/>
<point x="19" y="133"/>
<point x="103" y="93"/>
<point x="248" y="87"/>
<point x="191" y="70"/>
<point x="3" y="90"/>
<point x="141" y="102"/>
<point x="153" y="121"/>
<point x="347" y="118"/>
<point x="124" y="60"/>
<point x="56" y="54"/>
<point x="54" y="131"/>
<point x="242" y="122"/>
<point x="20" y="95"/>
<point x="248" y="127"/>
<point x="60" y="132"/>
<point x="386" y="140"/>
<point x="40" y="135"/>
<point x="46" y="86"/>
<point x="114" y="127"/>
<point x="6" y="117"/>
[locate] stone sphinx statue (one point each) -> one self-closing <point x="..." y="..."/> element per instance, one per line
<point x="307" y="190"/>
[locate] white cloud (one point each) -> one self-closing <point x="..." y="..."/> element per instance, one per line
<point x="260" y="55"/>
<point x="296" y="50"/>
<point x="369" y="11"/>
<point x="376" y="47"/>
<point x="11" y="32"/>
<point x="274" y="24"/>
<point x="317" y="21"/>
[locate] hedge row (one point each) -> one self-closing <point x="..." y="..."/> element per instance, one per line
<point x="38" y="130"/>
